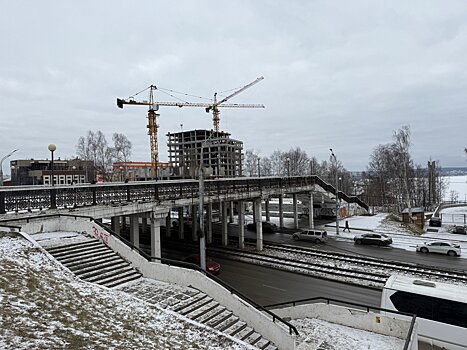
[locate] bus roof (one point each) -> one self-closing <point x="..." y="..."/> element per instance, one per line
<point x="425" y="287"/>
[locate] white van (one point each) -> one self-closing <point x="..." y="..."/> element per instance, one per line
<point x="441" y="309"/>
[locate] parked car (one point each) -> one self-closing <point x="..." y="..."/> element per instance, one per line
<point x="268" y="227"/>
<point x="212" y="266"/>
<point x="373" y="238"/>
<point x="435" y="221"/>
<point x="449" y="248"/>
<point x="459" y="229"/>
<point x="311" y="235"/>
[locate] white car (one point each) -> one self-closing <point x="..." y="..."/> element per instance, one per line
<point x="442" y="247"/>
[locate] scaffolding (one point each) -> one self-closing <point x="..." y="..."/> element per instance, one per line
<point x="221" y="155"/>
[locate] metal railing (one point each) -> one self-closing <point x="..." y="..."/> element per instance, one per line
<point x="15" y="199"/>
<point x="365" y="307"/>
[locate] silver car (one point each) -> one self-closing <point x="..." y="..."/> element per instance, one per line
<point x="311" y="235"/>
<point x="442" y="247"/>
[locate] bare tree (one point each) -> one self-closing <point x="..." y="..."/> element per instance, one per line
<point x="122" y="147"/>
<point x="250" y="162"/>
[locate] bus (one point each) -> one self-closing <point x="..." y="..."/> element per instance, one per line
<point x="441" y="309"/>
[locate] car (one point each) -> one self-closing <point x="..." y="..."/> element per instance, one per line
<point x="311" y="235"/>
<point x="373" y="238"/>
<point x="435" y="221"/>
<point x="442" y="247"/>
<point x="213" y="267"/>
<point x="459" y="229"/>
<point x="268" y="227"/>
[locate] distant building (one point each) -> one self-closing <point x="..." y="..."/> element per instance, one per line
<point x="39" y="171"/>
<point x="221" y="155"/>
<point x="139" y="171"/>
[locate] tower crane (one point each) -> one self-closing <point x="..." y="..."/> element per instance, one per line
<point x="154" y="107"/>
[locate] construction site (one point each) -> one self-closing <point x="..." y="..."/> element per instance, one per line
<point x="214" y="150"/>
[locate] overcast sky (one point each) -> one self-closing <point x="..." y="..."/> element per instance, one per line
<point x="338" y="74"/>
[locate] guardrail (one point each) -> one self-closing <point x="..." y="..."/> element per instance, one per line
<point x="14" y="199"/>
<point x="366" y="307"/>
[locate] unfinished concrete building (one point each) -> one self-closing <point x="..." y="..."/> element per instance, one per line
<point x="221" y="155"/>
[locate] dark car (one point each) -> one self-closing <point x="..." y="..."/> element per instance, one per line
<point x="212" y="266"/>
<point x="268" y="227"/>
<point x="435" y="221"/>
<point x="373" y="238"/>
<point x="459" y="229"/>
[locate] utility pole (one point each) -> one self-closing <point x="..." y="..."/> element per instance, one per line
<point x="337" y="193"/>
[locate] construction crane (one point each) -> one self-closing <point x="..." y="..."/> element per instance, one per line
<point x="154" y="107"/>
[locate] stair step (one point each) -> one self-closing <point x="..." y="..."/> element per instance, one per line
<point x="101" y="269"/>
<point x="211" y="314"/>
<point x="227" y="323"/>
<point x="91" y="258"/>
<point x="196" y="307"/>
<point x="75" y="247"/>
<point x="192" y="301"/>
<point x="262" y="343"/>
<point x="109" y="274"/>
<point x="212" y="306"/>
<point x="123" y="280"/>
<point x="77" y="253"/>
<point x="245" y="333"/>
<point x="82" y="272"/>
<point x="254" y="338"/>
<point x="237" y="328"/>
<point x="219" y="319"/>
<point x="89" y="241"/>
<point x="110" y="280"/>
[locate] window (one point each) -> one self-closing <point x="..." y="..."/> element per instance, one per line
<point x="431" y="308"/>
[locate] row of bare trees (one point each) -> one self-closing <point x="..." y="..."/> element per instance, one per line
<point x="391" y="180"/>
<point x="94" y="147"/>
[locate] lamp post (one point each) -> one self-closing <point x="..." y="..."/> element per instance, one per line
<point x="73" y="168"/>
<point x="52" y="149"/>
<point x="1" y="165"/>
<point x="259" y="169"/>
<point x="121" y="173"/>
<point x="337" y="193"/>
<point x="288" y="166"/>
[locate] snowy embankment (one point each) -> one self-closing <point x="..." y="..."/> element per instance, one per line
<point x="44" y="306"/>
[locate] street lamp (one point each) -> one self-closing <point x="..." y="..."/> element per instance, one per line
<point x="1" y="165"/>
<point x="288" y="166"/>
<point x="52" y="149"/>
<point x="121" y="173"/>
<point x="337" y="193"/>
<point x="259" y="169"/>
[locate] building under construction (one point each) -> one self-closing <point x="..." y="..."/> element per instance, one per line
<point x="221" y="155"/>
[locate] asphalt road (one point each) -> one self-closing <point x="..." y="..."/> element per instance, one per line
<point x="269" y="286"/>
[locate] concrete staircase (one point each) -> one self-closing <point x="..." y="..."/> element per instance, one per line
<point x="199" y="307"/>
<point x="92" y="261"/>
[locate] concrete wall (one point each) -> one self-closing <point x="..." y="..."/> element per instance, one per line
<point x="354" y="318"/>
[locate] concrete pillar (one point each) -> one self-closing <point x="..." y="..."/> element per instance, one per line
<point x="155" y="236"/>
<point x="295" y="211"/>
<point x="311" y="213"/>
<point x="123" y="223"/>
<point x="194" y="222"/>
<point x="281" y="210"/>
<point x="181" y="224"/>
<point x="241" y="225"/>
<point x="259" y="225"/>
<point x="168" y="226"/>
<point x="266" y="207"/>
<point x="231" y="212"/>
<point x="134" y="230"/>
<point x="225" y="233"/>
<point x="116" y="224"/>
<point x="209" y="223"/>
<point x="254" y="212"/>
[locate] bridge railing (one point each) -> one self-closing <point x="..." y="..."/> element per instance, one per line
<point x="14" y="199"/>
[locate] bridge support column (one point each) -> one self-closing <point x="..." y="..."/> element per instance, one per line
<point x="266" y="208"/>
<point x="194" y="222"/>
<point x="168" y="226"/>
<point x="115" y="224"/>
<point x="225" y="233"/>
<point x="295" y="211"/>
<point x="123" y="223"/>
<point x="281" y="210"/>
<point x="144" y="225"/>
<point x="209" y="226"/>
<point x="155" y="236"/>
<point x="241" y="225"/>
<point x="254" y="211"/>
<point x="231" y="212"/>
<point x="259" y="225"/>
<point x="311" y="213"/>
<point x="134" y="230"/>
<point x="181" y="224"/>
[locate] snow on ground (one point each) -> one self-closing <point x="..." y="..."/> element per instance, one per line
<point x="318" y="334"/>
<point x="45" y="306"/>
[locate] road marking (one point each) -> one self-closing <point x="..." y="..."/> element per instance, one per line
<point x="282" y="290"/>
